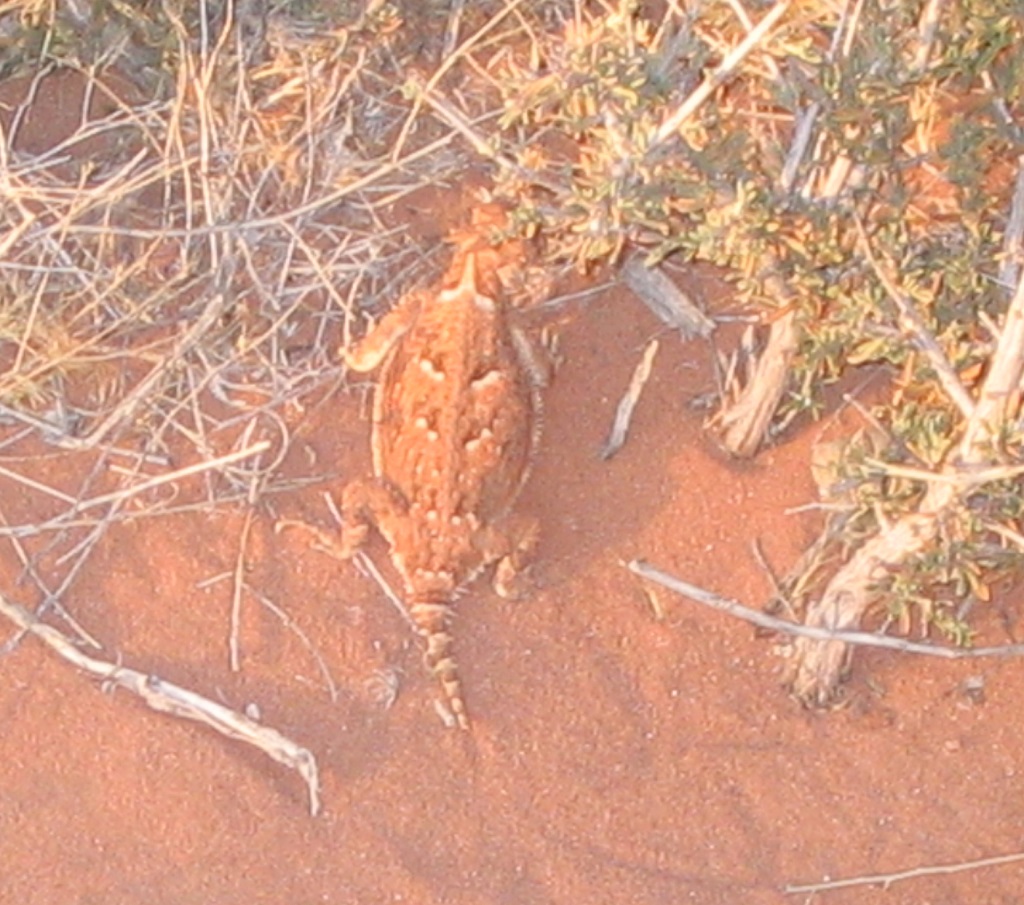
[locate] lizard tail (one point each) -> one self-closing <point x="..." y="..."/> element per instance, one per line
<point x="433" y="621"/>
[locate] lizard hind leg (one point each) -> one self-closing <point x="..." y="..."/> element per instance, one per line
<point x="433" y="622"/>
<point x="511" y="547"/>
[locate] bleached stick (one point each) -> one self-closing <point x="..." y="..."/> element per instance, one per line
<point x="166" y="697"/>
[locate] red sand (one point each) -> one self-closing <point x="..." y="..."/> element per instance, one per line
<point x="614" y="758"/>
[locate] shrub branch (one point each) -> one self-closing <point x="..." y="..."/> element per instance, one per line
<point x="819" y="664"/>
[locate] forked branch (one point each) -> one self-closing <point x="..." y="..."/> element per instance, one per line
<point x="818" y="665"/>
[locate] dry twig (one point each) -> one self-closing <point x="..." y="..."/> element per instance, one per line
<point x="119" y="496"/>
<point x="624" y="412"/>
<point x="666" y="300"/>
<point x="887" y="880"/>
<point x="815" y="633"/>
<point x="166" y="697"/>
<point x="912" y="323"/>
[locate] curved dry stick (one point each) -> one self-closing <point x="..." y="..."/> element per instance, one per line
<point x="167" y="697"/>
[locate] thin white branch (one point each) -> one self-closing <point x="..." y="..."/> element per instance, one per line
<point x="166" y="697"/>
<point x="719" y="77"/>
<point x="886" y="880"/>
<point x="918" y="331"/>
<point x="817" y="633"/>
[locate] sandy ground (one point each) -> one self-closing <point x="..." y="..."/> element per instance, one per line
<point x="614" y="757"/>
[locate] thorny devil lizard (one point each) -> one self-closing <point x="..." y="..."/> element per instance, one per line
<point x="456" y="422"/>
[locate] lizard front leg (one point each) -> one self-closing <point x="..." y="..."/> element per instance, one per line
<point x="371" y="350"/>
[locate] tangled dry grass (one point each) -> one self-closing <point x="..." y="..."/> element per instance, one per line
<point x="192" y="220"/>
<point x="190" y="241"/>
